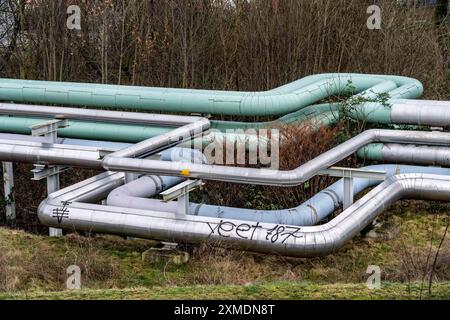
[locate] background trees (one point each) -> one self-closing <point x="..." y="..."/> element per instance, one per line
<point x="222" y="44"/>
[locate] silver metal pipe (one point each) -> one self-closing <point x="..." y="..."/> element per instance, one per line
<point x="421" y="112"/>
<point x="97" y="115"/>
<point x="138" y="195"/>
<point x="416" y="154"/>
<point x="262" y="176"/>
<point x="47" y="154"/>
<point x="107" y="145"/>
<point x="62" y="210"/>
<point x="163" y="141"/>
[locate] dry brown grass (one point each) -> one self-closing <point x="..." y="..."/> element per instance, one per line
<point x="27" y="263"/>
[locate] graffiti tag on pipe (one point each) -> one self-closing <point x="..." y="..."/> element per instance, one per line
<point x="279" y="233"/>
<point x="61" y="213"/>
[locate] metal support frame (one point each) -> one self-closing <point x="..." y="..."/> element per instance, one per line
<point x="8" y="186"/>
<point x="49" y="130"/>
<point x="42" y="171"/>
<point x="348" y="174"/>
<point x="181" y="193"/>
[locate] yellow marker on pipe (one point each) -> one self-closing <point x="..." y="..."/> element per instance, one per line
<point x="185" y="172"/>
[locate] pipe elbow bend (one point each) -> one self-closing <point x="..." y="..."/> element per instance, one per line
<point x="44" y="212"/>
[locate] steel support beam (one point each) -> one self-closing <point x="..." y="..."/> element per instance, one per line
<point x="181" y="193"/>
<point x="49" y="130"/>
<point x="348" y="174"/>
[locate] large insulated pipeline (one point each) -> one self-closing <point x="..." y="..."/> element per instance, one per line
<point x="63" y="209"/>
<point x="395" y="87"/>
<point x="135" y="127"/>
<point x="102" y="145"/>
<point x="37" y="152"/>
<point x="115" y="126"/>
<point x="50" y="154"/>
<point x="121" y="161"/>
<point x="280" y="101"/>
<point x="137" y="195"/>
<point x="430" y="155"/>
<point x="125" y="160"/>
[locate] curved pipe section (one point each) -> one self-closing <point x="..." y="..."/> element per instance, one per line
<point x="135" y="195"/>
<point x="283" y="100"/>
<point x="262" y="176"/>
<point x="262" y="237"/>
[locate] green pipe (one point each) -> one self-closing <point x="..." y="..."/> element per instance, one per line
<point x="280" y="101"/>
<point x="374" y="112"/>
<point x="85" y="130"/>
<point x="91" y="130"/>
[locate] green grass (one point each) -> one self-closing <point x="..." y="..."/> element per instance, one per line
<point x="271" y="291"/>
<point x="34" y="267"/>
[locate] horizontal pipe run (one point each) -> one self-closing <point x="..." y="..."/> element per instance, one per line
<point x="264" y="176"/>
<point x="134" y="127"/>
<point x="286" y="99"/>
<point x="104" y="145"/>
<point x="96" y="115"/>
<point x="122" y="133"/>
<point x="421" y="112"/>
<point x="429" y="155"/>
<point x="321" y="240"/>
<point x="50" y="154"/>
<point x="89" y="130"/>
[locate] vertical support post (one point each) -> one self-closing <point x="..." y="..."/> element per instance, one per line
<point x="49" y="131"/>
<point x="183" y="204"/>
<point x="181" y="193"/>
<point x="348" y="174"/>
<point x="8" y="185"/>
<point x="53" y="186"/>
<point x="53" y="181"/>
<point x="348" y="192"/>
